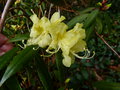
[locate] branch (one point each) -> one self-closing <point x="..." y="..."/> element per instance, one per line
<point x="98" y="77"/>
<point x="4" y="13"/>
<point x="107" y="44"/>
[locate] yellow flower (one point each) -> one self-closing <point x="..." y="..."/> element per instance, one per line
<point x="39" y="33"/>
<point x="56" y="30"/>
<point x="52" y="33"/>
<point x="72" y="42"/>
<point x="44" y="31"/>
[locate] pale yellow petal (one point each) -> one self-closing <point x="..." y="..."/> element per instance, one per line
<point x="45" y="40"/>
<point x="44" y="22"/>
<point x="69" y="40"/>
<point x="56" y="33"/>
<point x="35" y="30"/>
<point x="78" y="27"/>
<point x="67" y="61"/>
<point x="42" y="40"/>
<point x="33" y="41"/>
<point x="34" y="18"/>
<point x="79" y="46"/>
<point x="56" y="18"/>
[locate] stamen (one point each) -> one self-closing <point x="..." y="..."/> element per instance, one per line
<point x="21" y="46"/>
<point x="46" y="55"/>
<point x="51" y="5"/>
<point x="32" y="11"/>
<point x="86" y="56"/>
<point x="52" y="52"/>
<point x="24" y="45"/>
<point x="36" y="48"/>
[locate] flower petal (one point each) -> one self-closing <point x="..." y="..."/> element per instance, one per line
<point x="57" y="32"/>
<point x="67" y="61"/>
<point x="43" y="40"/>
<point x="56" y="18"/>
<point x="78" y="27"/>
<point x="35" y="30"/>
<point x="79" y="46"/>
<point x="39" y="25"/>
<point x="69" y="40"/>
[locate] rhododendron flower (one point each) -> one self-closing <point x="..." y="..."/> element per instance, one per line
<point x="39" y="33"/>
<point x="53" y="33"/>
<point x="72" y="42"/>
<point x="42" y="27"/>
<point x="57" y="29"/>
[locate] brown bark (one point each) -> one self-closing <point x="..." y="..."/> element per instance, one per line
<point x="4" y="14"/>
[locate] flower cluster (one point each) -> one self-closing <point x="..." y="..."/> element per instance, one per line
<point x="54" y="35"/>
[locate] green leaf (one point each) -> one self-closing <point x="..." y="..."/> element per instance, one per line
<point x="77" y="19"/>
<point x="89" y="32"/>
<point x="78" y="76"/>
<point x="87" y="10"/>
<point x="90" y="19"/>
<point x="60" y="67"/>
<point x="18" y="62"/>
<point x="3" y="88"/>
<point x="7" y="57"/>
<point x="107" y="20"/>
<point x="13" y="84"/>
<point x="61" y="88"/>
<point x="99" y="26"/>
<point x="19" y="37"/>
<point x="43" y="73"/>
<point x="117" y="27"/>
<point x="85" y="74"/>
<point x="104" y="85"/>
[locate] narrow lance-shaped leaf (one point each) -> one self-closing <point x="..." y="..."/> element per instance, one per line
<point x="60" y="66"/>
<point x="77" y="19"/>
<point x="89" y="32"/>
<point x="87" y="10"/>
<point x="13" y="83"/>
<point x="99" y="25"/>
<point x="7" y="57"/>
<point x="104" y="85"/>
<point x="43" y="73"/>
<point x="91" y="17"/>
<point x="19" y="37"/>
<point x="18" y="62"/>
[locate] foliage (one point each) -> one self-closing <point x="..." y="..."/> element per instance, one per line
<point x="31" y="68"/>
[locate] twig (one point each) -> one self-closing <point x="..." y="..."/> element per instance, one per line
<point x="98" y="77"/>
<point x="107" y="44"/>
<point x="14" y="17"/>
<point x="4" y="13"/>
<point x="69" y="10"/>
